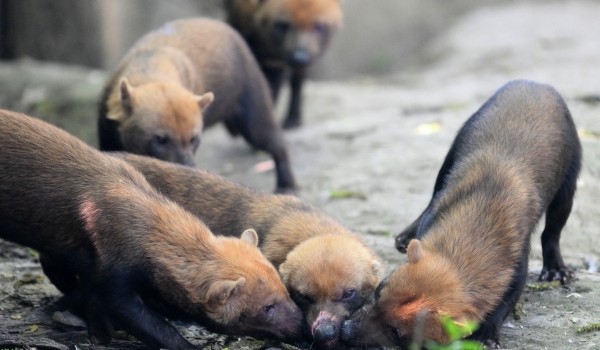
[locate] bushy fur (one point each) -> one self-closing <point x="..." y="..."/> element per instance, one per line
<point x="328" y="270"/>
<point x="515" y="159"/>
<point x="123" y="253"/>
<point x="160" y="97"/>
<point x="286" y="36"/>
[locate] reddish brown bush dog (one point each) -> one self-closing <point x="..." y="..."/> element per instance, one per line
<point x="126" y="254"/>
<point x="328" y="270"/>
<point x="515" y="159"/>
<point x="161" y="96"/>
<point x="286" y="36"/>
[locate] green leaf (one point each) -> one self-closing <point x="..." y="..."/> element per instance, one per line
<point x="343" y="194"/>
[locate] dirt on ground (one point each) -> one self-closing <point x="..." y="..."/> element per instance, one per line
<point x="367" y="154"/>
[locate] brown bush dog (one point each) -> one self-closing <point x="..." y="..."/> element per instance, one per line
<point x="515" y="159"/>
<point x="160" y="97"/>
<point x="328" y="270"/>
<point x="286" y="37"/>
<point x="126" y="254"/>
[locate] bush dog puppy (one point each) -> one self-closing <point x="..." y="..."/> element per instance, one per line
<point x="134" y="255"/>
<point x="286" y="37"/>
<point x="156" y="102"/>
<point x="327" y="269"/>
<point x="515" y="159"/>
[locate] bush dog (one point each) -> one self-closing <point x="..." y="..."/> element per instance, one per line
<point x="286" y="36"/>
<point x="327" y="269"/>
<point x="515" y="159"/>
<point x="157" y="101"/>
<point x="133" y="255"/>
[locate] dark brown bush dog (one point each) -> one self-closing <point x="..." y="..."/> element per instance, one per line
<point x="515" y="159"/>
<point x="286" y="36"/>
<point x="161" y="96"/>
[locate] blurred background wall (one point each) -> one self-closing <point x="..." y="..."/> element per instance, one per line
<point x="378" y="36"/>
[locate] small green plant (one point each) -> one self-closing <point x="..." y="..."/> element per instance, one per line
<point x="592" y="327"/>
<point x="344" y="194"/>
<point x="542" y="286"/>
<point x="33" y="253"/>
<point x="456" y="333"/>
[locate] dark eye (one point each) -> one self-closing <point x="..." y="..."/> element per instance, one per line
<point x="348" y="294"/>
<point x="195" y="141"/>
<point x="320" y="27"/>
<point x="268" y="308"/>
<point x="281" y="27"/>
<point x="161" y="139"/>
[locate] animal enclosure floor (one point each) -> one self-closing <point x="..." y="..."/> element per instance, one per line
<point x="368" y="154"/>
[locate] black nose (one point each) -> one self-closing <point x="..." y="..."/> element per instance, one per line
<point x="401" y="244"/>
<point x="325" y="332"/>
<point x="301" y="57"/>
<point x="186" y="159"/>
<point x="348" y="332"/>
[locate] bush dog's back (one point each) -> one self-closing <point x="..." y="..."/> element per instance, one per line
<point x="516" y="158"/>
<point x="329" y="271"/>
<point x="124" y="251"/>
<point x="160" y="98"/>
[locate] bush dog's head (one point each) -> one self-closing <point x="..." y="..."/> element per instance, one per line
<point x="330" y="277"/>
<point x="239" y="290"/>
<point x="161" y="120"/>
<point x="411" y="301"/>
<point x="297" y="31"/>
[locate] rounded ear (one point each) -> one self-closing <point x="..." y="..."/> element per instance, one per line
<point x="220" y="291"/>
<point x="205" y="99"/>
<point x="250" y="236"/>
<point x="377" y="269"/>
<point x="127" y="98"/>
<point x="284" y="272"/>
<point x="414" y="251"/>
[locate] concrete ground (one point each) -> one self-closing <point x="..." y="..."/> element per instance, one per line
<point x="378" y="142"/>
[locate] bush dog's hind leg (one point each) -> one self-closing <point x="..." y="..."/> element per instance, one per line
<point x="556" y="217"/>
<point x="259" y="129"/>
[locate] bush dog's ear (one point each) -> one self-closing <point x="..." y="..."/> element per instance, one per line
<point x="220" y="291"/>
<point x="127" y="96"/>
<point x="250" y="236"/>
<point x="414" y="251"/>
<point x="205" y="100"/>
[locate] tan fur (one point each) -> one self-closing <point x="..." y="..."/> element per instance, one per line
<point x="168" y="72"/>
<point x="294" y="228"/>
<point x="286" y="37"/>
<point x="517" y="157"/>
<point x="319" y="266"/>
<point x="101" y="212"/>
<point x="160" y="98"/>
<point x="254" y="20"/>
<point x="303" y="13"/>
<point x="442" y="277"/>
<point x="165" y="92"/>
<point x="315" y="255"/>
